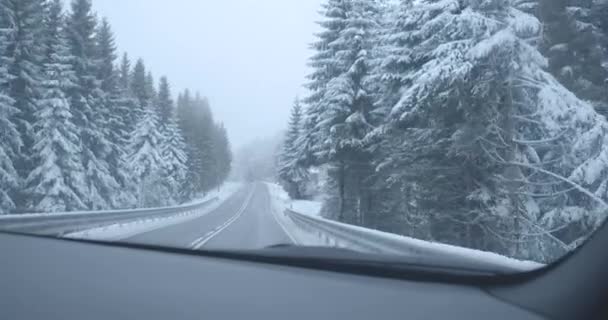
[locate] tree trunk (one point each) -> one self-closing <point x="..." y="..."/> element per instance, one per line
<point x="512" y="172"/>
<point x="341" y="188"/>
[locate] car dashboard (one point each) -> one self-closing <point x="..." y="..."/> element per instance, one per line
<point x="57" y="279"/>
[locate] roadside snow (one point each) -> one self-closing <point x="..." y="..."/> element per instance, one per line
<point x="311" y="208"/>
<point x="281" y="202"/>
<point x="121" y="231"/>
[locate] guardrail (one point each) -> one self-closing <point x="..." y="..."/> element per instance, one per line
<point x="372" y="241"/>
<point x="58" y="224"/>
<point x="349" y="235"/>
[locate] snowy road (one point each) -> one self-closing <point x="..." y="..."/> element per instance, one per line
<point x="244" y="221"/>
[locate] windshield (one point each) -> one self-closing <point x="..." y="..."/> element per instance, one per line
<point x="466" y="132"/>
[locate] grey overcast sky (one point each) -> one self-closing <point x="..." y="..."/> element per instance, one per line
<point x="247" y="56"/>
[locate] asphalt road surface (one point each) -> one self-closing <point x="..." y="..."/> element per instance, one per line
<point x="243" y="221"/>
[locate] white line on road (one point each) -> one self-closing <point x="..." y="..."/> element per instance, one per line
<point x="200" y="242"/>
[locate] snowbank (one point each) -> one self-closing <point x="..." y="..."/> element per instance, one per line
<point x="281" y="202"/>
<point x="311" y="208"/>
<point x="119" y="231"/>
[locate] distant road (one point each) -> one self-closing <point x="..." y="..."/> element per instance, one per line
<point x="243" y="221"/>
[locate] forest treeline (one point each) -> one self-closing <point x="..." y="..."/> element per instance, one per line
<point x="82" y="131"/>
<point x="479" y="123"/>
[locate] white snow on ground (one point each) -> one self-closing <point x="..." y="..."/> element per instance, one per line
<point x="120" y="231"/>
<point x="281" y="201"/>
<point x="311" y="208"/>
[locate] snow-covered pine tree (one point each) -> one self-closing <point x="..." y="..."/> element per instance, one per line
<point x="571" y="42"/>
<point x="128" y="100"/>
<point x="291" y="174"/>
<point x="24" y="58"/>
<point x="495" y="140"/>
<point x="146" y="161"/>
<point x="90" y="113"/>
<point x="173" y="145"/>
<point x="392" y="61"/>
<point x="165" y="102"/>
<point x="223" y="153"/>
<point x="204" y="143"/>
<point x="325" y="68"/>
<point x="124" y="71"/>
<point x="56" y="183"/>
<point x="118" y="108"/>
<point x="393" y="56"/>
<point x="106" y="56"/>
<point x="597" y="16"/>
<point x="151" y="89"/>
<point x="599" y="19"/>
<point x="205" y="170"/>
<point x="124" y="77"/>
<point x="187" y="124"/>
<point x="81" y="24"/>
<point x="420" y="160"/>
<point x="9" y="179"/>
<point x="179" y="102"/>
<point x="345" y="118"/>
<point x="11" y="141"/>
<point x="138" y="84"/>
<point x="175" y="160"/>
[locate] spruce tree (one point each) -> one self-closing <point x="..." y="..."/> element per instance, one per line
<point x="188" y="124"/>
<point x="392" y="69"/>
<point x="24" y="58"/>
<point x="165" y="102"/>
<point x="133" y="110"/>
<point x="325" y="68"/>
<point x="343" y="117"/>
<point x="150" y="88"/>
<point x="89" y="110"/>
<point x="205" y="143"/>
<point x="291" y="174"/>
<point x="175" y="160"/>
<point x="57" y="182"/>
<point x="223" y="153"/>
<point x="124" y="78"/>
<point x="81" y="25"/>
<point x="11" y="141"/>
<point x="117" y="106"/>
<point x="572" y="44"/>
<point x="146" y="162"/>
<point x="106" y="56"/>
<point x="489" y="133"/>
<point x="173" y="145"/>
<point x="138" y="84"/>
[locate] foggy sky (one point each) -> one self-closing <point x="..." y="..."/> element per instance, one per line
<point x="248" y="57"/>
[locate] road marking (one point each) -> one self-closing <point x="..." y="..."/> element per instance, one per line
<point x="197" y="241"/>
<point x="200" y="242"/>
